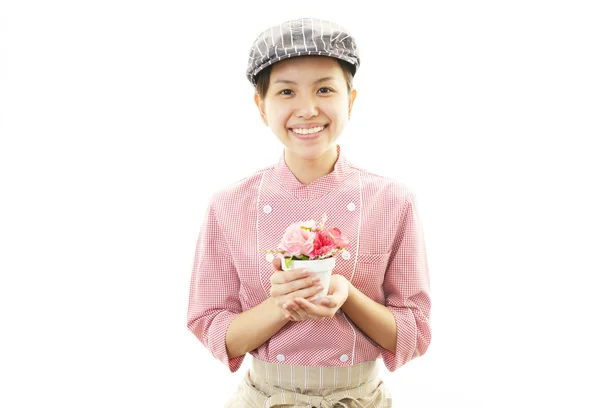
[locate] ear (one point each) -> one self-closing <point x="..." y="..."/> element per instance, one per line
<point x="260" y="104"/>
<point x="351" y="102"/>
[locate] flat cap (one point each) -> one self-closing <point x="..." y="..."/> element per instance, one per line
<point x="304" y="36"/>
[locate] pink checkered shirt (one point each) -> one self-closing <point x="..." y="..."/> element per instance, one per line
<point x="386" y="260"/>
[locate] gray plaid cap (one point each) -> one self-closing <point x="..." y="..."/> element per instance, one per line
<point x="305" y="36"/>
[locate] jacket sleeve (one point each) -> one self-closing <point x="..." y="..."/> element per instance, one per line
<point x="214" y="290"/>
<point x="406" y="288"/>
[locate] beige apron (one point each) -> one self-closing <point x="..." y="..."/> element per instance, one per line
<point x="269" y="385"/>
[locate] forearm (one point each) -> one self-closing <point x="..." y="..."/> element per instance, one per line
<point x="252" y="328"/>
<point x="374" y="319"/>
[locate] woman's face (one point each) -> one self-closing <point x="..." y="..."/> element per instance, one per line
<point x="307" y="104"/>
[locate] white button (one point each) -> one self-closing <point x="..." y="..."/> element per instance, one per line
<point x="346" y="255"/>
<point x="344" y="358"/>
<point x="267" y="209"/>
<point x="351" y="207"/>
<point x="281" y="357"/>
<point x="270" y="257"/>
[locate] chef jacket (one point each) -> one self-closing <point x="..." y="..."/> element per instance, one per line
<point x="385" y="259"/>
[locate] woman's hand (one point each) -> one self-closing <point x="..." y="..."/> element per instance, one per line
<point x="294" y="284"/>
<point x="301" y="309"/>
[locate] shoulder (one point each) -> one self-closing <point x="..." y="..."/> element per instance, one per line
<point x="387" y="189"/>
<point x="239" y="193"/>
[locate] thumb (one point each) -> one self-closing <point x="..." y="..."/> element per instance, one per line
<point x="277" y="264"/>
<point x="328" y="301"/>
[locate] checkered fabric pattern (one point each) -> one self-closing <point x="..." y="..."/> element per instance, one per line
<point x="386" y="260"/>
<point x="305" y="36"/>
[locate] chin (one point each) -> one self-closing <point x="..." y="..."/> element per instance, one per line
<point x="312" y="152"/>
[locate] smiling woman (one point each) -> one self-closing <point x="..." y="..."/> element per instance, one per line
<point x="241" y="302"/>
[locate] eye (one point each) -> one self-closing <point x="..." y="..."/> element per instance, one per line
<point x="286" y="92"/>
<point x="325" y="90"/>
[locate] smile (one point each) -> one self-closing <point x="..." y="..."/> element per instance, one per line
<point x="310" y="131"/>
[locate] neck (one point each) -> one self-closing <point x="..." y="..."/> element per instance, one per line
<point x="309" y="170"/>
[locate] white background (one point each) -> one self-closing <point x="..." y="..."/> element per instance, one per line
<point x="120" y="118"/>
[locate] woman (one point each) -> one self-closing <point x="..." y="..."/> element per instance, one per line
<point x="306" y="353"/>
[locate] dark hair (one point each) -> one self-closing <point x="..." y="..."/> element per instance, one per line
<point x="264" y="76"/>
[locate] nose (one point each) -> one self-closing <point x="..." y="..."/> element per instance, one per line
<point x="307" y="107"/>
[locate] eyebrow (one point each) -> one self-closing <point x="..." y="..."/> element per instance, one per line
<point x="287" y="81"/>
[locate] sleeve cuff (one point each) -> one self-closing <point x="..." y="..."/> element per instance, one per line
<point x="406" y="340"/>
<point x="217" y="345"/>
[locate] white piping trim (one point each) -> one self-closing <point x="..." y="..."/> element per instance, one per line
<point x="360" y="205"/>
<point x="356" y="255"/>
<point x="257" y="216"/>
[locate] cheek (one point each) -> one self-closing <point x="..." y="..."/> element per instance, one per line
<point x="337" y="110"/>
<point x="279" y="115"/>
<point x="340" y="118"/>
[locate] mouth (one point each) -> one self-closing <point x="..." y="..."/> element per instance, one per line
<point x="310" y="133"/>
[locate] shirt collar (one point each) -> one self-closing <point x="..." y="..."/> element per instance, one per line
<point x="320" y="186"/>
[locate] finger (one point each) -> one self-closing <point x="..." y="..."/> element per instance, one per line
<point x="304" y="315"/>
<point x="293" y="311"/>
<point x="277" y="264"/>
<point x="311" y="314"/>
<point x="288" y="291"/>
<point x="307" y="292"/>
<point x="305" y="288"/>
<point x="329" y="302"/>
<point x="318" y="310"/>
<point x="308" y="307"/>
<point x="288" y="313"/>
<point x="283" y="283"/>
<point x="281" y="277"/>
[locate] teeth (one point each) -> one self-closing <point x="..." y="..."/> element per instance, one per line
<point x="308" y="131"/>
